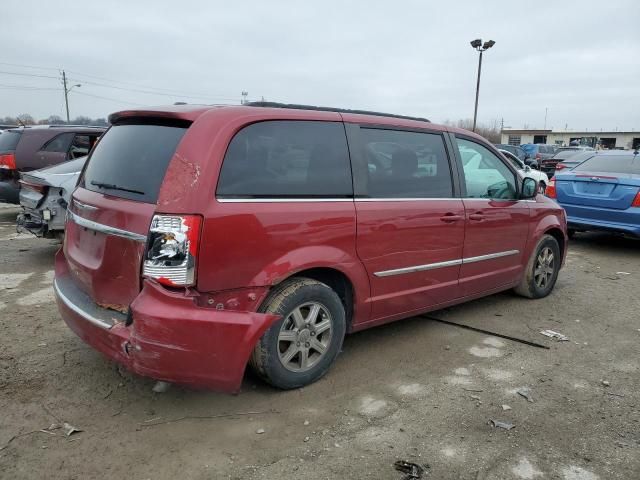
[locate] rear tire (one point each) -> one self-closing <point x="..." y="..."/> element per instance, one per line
<point x="301" y="347"/>
<point x="542" y="269"/>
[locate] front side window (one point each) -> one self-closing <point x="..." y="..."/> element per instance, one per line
<point x="486" y="176"/>
<point x="403" y="164"/>
<point x="287" y="159"/>
<point x="59" y="144"/>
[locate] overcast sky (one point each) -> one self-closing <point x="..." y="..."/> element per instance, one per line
<point x="581" y="60"/>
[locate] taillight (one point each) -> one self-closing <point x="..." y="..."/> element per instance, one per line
<point x="33" y="186"/>
<point x="560" y="166"/>
<point x="172" y="249"/>
<point x="636" y="200"/>
<point x="550" y="191"/>
<point x="8" y="161"/>
<point x="538" y="156"/>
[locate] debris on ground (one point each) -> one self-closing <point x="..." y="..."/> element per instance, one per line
<point x="70" y="429"/>
<point x="161" y="387"/>
<point x="499" y="424"/>
<point x="605" y="383"/>
<point x="506" y="407"/>
<point x="306" y="422"/>
<point x="557" y="335"/>
<point x="411" y="470"/>
<point x="525" y="392"/>
<point x="260" y="431"/>
<point x="623" y="273"/>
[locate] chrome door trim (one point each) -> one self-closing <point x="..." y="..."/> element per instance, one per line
<point x="282" y="200"/>
<point x="106" y="229"/>
<point x="418" y="268"/>
<point x="447" y="263"/>
<point x="83" y="206"/>
<point x="490" y="256"/>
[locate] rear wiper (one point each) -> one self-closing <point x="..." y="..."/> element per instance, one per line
<point x="111" y="186"/>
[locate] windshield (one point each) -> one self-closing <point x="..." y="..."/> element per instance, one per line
<point x="130" y="161"/>
<point x="629" y="164"/>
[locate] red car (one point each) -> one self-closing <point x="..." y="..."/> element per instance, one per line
<point x="203" y="239"/>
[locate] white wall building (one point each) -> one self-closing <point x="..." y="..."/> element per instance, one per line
<point x="619" y="140"/>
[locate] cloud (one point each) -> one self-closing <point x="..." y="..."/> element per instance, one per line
<point x="408" y="57"/>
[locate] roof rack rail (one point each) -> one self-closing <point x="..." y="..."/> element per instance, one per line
<point x="332" y="109"/>
<point x="76" y="126"/>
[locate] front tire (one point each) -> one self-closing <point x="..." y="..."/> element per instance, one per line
<point x="301" y="347"/>
<point x="542" y="269"/>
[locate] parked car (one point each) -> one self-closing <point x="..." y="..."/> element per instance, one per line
<point x="601" y="193"/>
<point x="515" y="150"/>
<point x="200" y="239"/>
<point x="539" y="151"/>
<point x="577" y="148"/>
<point x="45" y="195"/>
<point x="541" y="178"/>
<point x="567" y="159"/>
<point x="30" y="148"/>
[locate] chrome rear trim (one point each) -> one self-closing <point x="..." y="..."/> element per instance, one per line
<point x="84" y="312"/>
<point x="106" y="229"/>
<point x="490" y="256"/>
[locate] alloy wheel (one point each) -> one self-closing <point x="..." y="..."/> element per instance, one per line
<point x="545" y="268"/>
<point x="305" y="336"/>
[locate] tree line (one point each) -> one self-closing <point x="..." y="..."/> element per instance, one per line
<point x="26" y="119"/>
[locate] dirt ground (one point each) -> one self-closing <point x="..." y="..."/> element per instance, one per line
<point x="415" y="390"/>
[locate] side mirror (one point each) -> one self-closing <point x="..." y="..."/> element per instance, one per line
<point x="529" y="188"/>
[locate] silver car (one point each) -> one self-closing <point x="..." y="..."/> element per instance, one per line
<point x="44" y="196"/>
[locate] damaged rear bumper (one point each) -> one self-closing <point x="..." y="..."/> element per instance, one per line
<point x="170" y="338"/>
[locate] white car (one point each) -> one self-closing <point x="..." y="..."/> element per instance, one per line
<point x="527" y="171"/>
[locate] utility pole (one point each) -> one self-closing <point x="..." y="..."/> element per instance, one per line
<point x="546" y="110"/>
<point x="66" y="93"/>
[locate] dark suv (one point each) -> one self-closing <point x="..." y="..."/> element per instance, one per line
<point x="31" y="148"/>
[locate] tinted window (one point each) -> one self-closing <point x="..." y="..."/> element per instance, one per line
<point x="530" y="148"/>
<point x="611" y="164"/>
<point x="287" y="159"/>
<point x="406" y="164"/>
<point x="134" y="157"/>
<point x="9" y="140"/>
<point x="59" y="143"/>
<point x="486" y="176"/>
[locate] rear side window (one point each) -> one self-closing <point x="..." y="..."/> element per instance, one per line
<point x="611" y="164"/>
<point x="287" y="159"/>
<point x="405" y="164"/>
<point x="9" y="141"/>
<point x="59" y="143"/>
<point x="130" y="161"/>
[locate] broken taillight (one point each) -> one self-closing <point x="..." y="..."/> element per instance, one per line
<point x="8" y="161"/>
<point x="33" y="186"/>
<point x="172" y="248"/>
<point x="550" y="191"/>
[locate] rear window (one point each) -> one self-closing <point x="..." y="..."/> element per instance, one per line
<point x="130" y="161"/>
<point x="611" y="164"/>
<point x="529" y="148"/>
<point x="287" y="159"/>
<point x="9" y="141"/>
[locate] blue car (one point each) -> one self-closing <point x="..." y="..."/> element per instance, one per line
<point x="601" y="193"/>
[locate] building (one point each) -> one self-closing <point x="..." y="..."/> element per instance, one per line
<point x="610" y="140"/>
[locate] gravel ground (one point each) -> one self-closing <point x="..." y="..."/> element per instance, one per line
<point x="415" y="390"/>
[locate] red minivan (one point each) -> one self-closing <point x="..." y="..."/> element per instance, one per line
<point x="203" y="239"/>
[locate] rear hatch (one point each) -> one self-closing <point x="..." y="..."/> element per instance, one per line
<point x="112" y="208"/>
<point x="604" y="182"/>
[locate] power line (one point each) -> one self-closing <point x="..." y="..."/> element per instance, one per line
<point x="28" y="66"/>
<point x="29" y="75"/>
<point x="77" y="92"/>
<point x="24" y="87"/>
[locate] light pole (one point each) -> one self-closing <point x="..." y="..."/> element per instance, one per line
<point x="480" y="47"/>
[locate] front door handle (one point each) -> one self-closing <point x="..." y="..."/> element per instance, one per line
<point x="478" y="217"/>
<point x="450" y="217"/>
